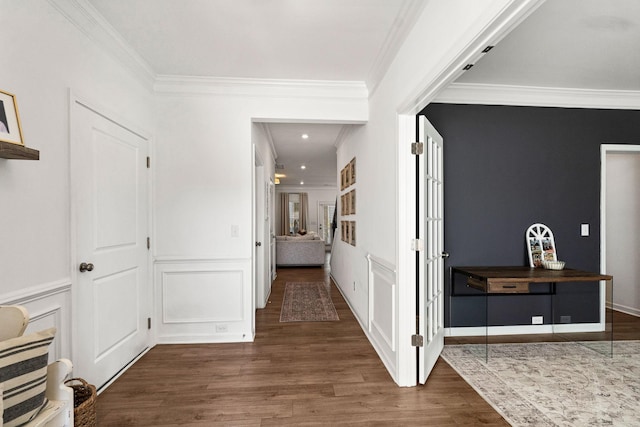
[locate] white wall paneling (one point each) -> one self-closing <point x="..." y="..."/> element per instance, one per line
<point x="203" y="301"/>
<point x="49" y="305"/>
<point x="382" y="311"/>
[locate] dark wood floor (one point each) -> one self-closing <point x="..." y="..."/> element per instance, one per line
<point x="302" y="374"/>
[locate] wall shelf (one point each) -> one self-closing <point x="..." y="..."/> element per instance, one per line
<point x="15" y="151"/>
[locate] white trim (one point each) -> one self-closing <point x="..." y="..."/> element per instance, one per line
<point x="350" y="90"/>
<point x="400" y="29"/>
<point x="488" y="94"/>
<point x="92" y="24"/>
<point x="196" y="259"/>
<point x="405" y="257"/>
<point x="507" y="20"/>
<point x="606" y="149"/>
<point x="477" y="331"/>
<point x="38" y="292"/>
<point x="627" y="310"/>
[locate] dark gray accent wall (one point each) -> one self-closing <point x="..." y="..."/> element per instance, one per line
<point x="508" y="167"/>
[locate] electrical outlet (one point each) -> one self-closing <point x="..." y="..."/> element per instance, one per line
<point x="537" y="320"/>
<point x="222" y="328"/>
<point x="565" y="319"/>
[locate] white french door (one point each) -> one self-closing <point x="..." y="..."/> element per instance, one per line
<point x="430" y="288"/>
<point x="112" y="297"/>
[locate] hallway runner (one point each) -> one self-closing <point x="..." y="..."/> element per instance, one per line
<point x="307" y="302"/>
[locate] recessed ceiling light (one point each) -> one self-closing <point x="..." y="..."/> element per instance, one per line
<point x="280" y="175"/>
<point x="301" y="182"/>
<point x="305" y="136"/>
<point x="303" y="167"/>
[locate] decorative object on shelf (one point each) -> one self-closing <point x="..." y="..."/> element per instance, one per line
<point x="553" y="265"/>
<point x="540" y="245"/>
<point x="10" y="128"/>
<point x="11" y="141"/>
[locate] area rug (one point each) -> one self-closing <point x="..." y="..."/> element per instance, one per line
<point x="554" y="384"/>
<point x="307" y="302"/>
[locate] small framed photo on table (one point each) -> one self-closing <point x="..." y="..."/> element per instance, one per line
<point x="10" y="129"/>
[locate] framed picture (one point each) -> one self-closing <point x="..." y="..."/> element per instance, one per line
<point x="352" y="233"/>
<point x="352" y="169"/>
<point x="351" y="195"/>
<point x="10" y="129"/>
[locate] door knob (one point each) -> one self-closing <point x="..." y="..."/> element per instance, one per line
<point x="86" y="267"/>
<point x="258" y="243"/>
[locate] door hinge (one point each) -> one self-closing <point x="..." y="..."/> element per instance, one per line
<point x="417" y="341"/>
<point x="148" y="162"/>
<point x="148" y="322"/>
<point x="417" y="245"/>
<point x="148" y="242"/>
<point x="417" y="148"/>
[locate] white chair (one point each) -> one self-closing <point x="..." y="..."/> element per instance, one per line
<point x="58" y="411"/>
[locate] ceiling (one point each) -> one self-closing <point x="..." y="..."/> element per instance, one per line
<point x="589" y="44"/>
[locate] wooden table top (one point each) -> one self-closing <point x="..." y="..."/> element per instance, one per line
<point x="495" y="275"/>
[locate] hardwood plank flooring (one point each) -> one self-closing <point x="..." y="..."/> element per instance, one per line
<point x="296" y="374"/>
<point x="293" y="374"/>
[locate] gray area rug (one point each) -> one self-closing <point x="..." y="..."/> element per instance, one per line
<point x="307" y="302"/>
<point x="554" y="384"/>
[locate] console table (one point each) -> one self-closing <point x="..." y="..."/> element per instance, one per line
<point x="516" y="280"/>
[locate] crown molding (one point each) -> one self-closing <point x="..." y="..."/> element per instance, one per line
<point x="93" y="25"/>
<point x="281" y="188"/>
<point x="400" y="29"/>
<point x="354" y="90"/>
<point x="342" y="136"/>
<point x="471" y="93"/>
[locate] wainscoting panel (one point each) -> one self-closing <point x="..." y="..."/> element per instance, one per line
<point x="382" y="311"/>
<point x="203" y="301"/>
<point x="49" y="305"/>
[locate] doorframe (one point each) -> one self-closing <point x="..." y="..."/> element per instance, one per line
<point x="258" y="229"/>
<point x="606" y="149"/>
<point x="512" y="15"/>
<point x="112" y="115"/>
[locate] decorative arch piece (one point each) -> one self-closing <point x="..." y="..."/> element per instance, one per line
<point x="540" y="244"/>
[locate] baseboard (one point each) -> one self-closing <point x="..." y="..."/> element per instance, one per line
<point x="204" y="339"/>
<point x="476" y="331"/>
<point x="627" y="310"/>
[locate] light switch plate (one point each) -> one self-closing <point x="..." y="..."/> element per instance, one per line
<point x="584" y="230"/>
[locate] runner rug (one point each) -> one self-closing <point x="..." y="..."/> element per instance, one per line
<point x="307" y="302"/>
<point x="554" y="384"/>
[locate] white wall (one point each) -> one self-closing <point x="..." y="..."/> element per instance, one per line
<point x="44" y="56"/>
<point x="315" y="194"/>
<point x="203" y="195"/>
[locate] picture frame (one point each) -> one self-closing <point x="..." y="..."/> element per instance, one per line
<point x="352" y="233"/>
<point x="351" y="195"/>
<point x="10" y="127"/>
<point x="352" y="170"/>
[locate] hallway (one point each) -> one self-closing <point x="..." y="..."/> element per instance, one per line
<point x="302" y="374"/>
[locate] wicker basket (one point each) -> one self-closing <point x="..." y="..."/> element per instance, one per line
<point x="84" y="402"/>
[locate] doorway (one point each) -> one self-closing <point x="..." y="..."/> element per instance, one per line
<point x="325" y="218"/>
<point x="620" y="227"/>
<point x="110" y="229"/>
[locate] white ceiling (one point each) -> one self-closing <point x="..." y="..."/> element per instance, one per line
<point x="588" y="44"/>
<point x="583" y="44"/>
<point x="335" y="40"/>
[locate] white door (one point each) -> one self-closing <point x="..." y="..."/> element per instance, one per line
<point x="325" y="218"/>
<point x="430" y="291"/>
<point x="112" y="297"/>
<point x="259" y="264"/>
